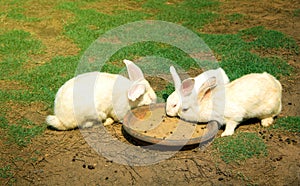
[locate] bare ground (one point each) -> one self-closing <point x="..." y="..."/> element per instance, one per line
<point x="65" y="158"/>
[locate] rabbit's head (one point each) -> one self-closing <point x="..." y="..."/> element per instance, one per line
<point x="173" y="104"/>
<point x="140" y="91"/>
<point x="192" y="102"/>
<point x="173" y="101"/>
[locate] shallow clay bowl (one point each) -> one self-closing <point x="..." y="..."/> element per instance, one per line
<point x="151" y="124"/>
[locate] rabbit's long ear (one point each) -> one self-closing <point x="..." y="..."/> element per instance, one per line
<point x="206" y="87"/>
<point x="134" y="72"/>
<point x="135" y="91"/>
<point x="187" y="86"/>
<point x="176" y="78"/>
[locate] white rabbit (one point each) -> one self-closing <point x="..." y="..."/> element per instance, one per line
<point x="98" y="96"/>
<point x="173" y="101"/>
<point x="251" y="96"/>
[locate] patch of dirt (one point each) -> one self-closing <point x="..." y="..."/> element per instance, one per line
<point x="107" y="7"/>
<point x="34" y="112"/>
<point x="291" y="96"/>
<point x="11" y="85"/>
<point x="157" y="83"/>
<point x="65" y="157"/>
<point x="277" y="15"/>
<point x="57" y="158"/>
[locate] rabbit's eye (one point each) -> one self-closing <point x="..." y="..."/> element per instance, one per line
<point x="185" y="109"/>
<point x="174" y="106"/>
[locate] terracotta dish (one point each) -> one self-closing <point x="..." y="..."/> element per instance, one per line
<point x="151" y="124"/>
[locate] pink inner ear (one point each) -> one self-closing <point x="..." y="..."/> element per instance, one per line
<point x="187" y="87"/>
<point x="136" y="91"/>
<point x="206" y="95"/>
<point x="205" y="89"/>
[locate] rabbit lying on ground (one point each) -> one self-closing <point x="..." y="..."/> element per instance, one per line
<point x="174" y="101"/>
<point x="98" y="96"/>
<point x="251" y="96"/>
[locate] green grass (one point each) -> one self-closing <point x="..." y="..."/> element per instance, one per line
<point x="16" y="48"/>
<point x="19" y="43"/>
<point x="237" y="57"/>
<point x="262" y="38"/>
<point x="90" y="24"/>
<point x="17" y="14"/>
<point x="297" y="13"/>
<point x="20" y="133"/>
<point x="193" y="14"/>
<point x="289" y="123"/>
<point x="166" y="92"/>
<point x="235" y="17"/>
<point x="5" y="172"/>
<point x="239" y="147"/>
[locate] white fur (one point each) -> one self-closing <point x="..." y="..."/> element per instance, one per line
<point x="251" y="96"/>
<point x="174" y="100"/>
<point x="98" y="96"/>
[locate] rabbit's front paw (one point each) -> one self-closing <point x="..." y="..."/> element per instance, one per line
<point x="227" y="133"/>
<point x="229" y="129"/>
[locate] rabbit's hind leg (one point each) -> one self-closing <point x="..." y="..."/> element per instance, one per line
<point x="108" y="121"/>
<point x="54" y="122"/>
<point x="267" y="121"/>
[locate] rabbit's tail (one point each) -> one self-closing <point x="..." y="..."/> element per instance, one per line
<point x="53" y="121"/>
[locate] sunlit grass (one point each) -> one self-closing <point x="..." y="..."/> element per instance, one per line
<point x="239" y="147"/>
<point x="289" y="123"/>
